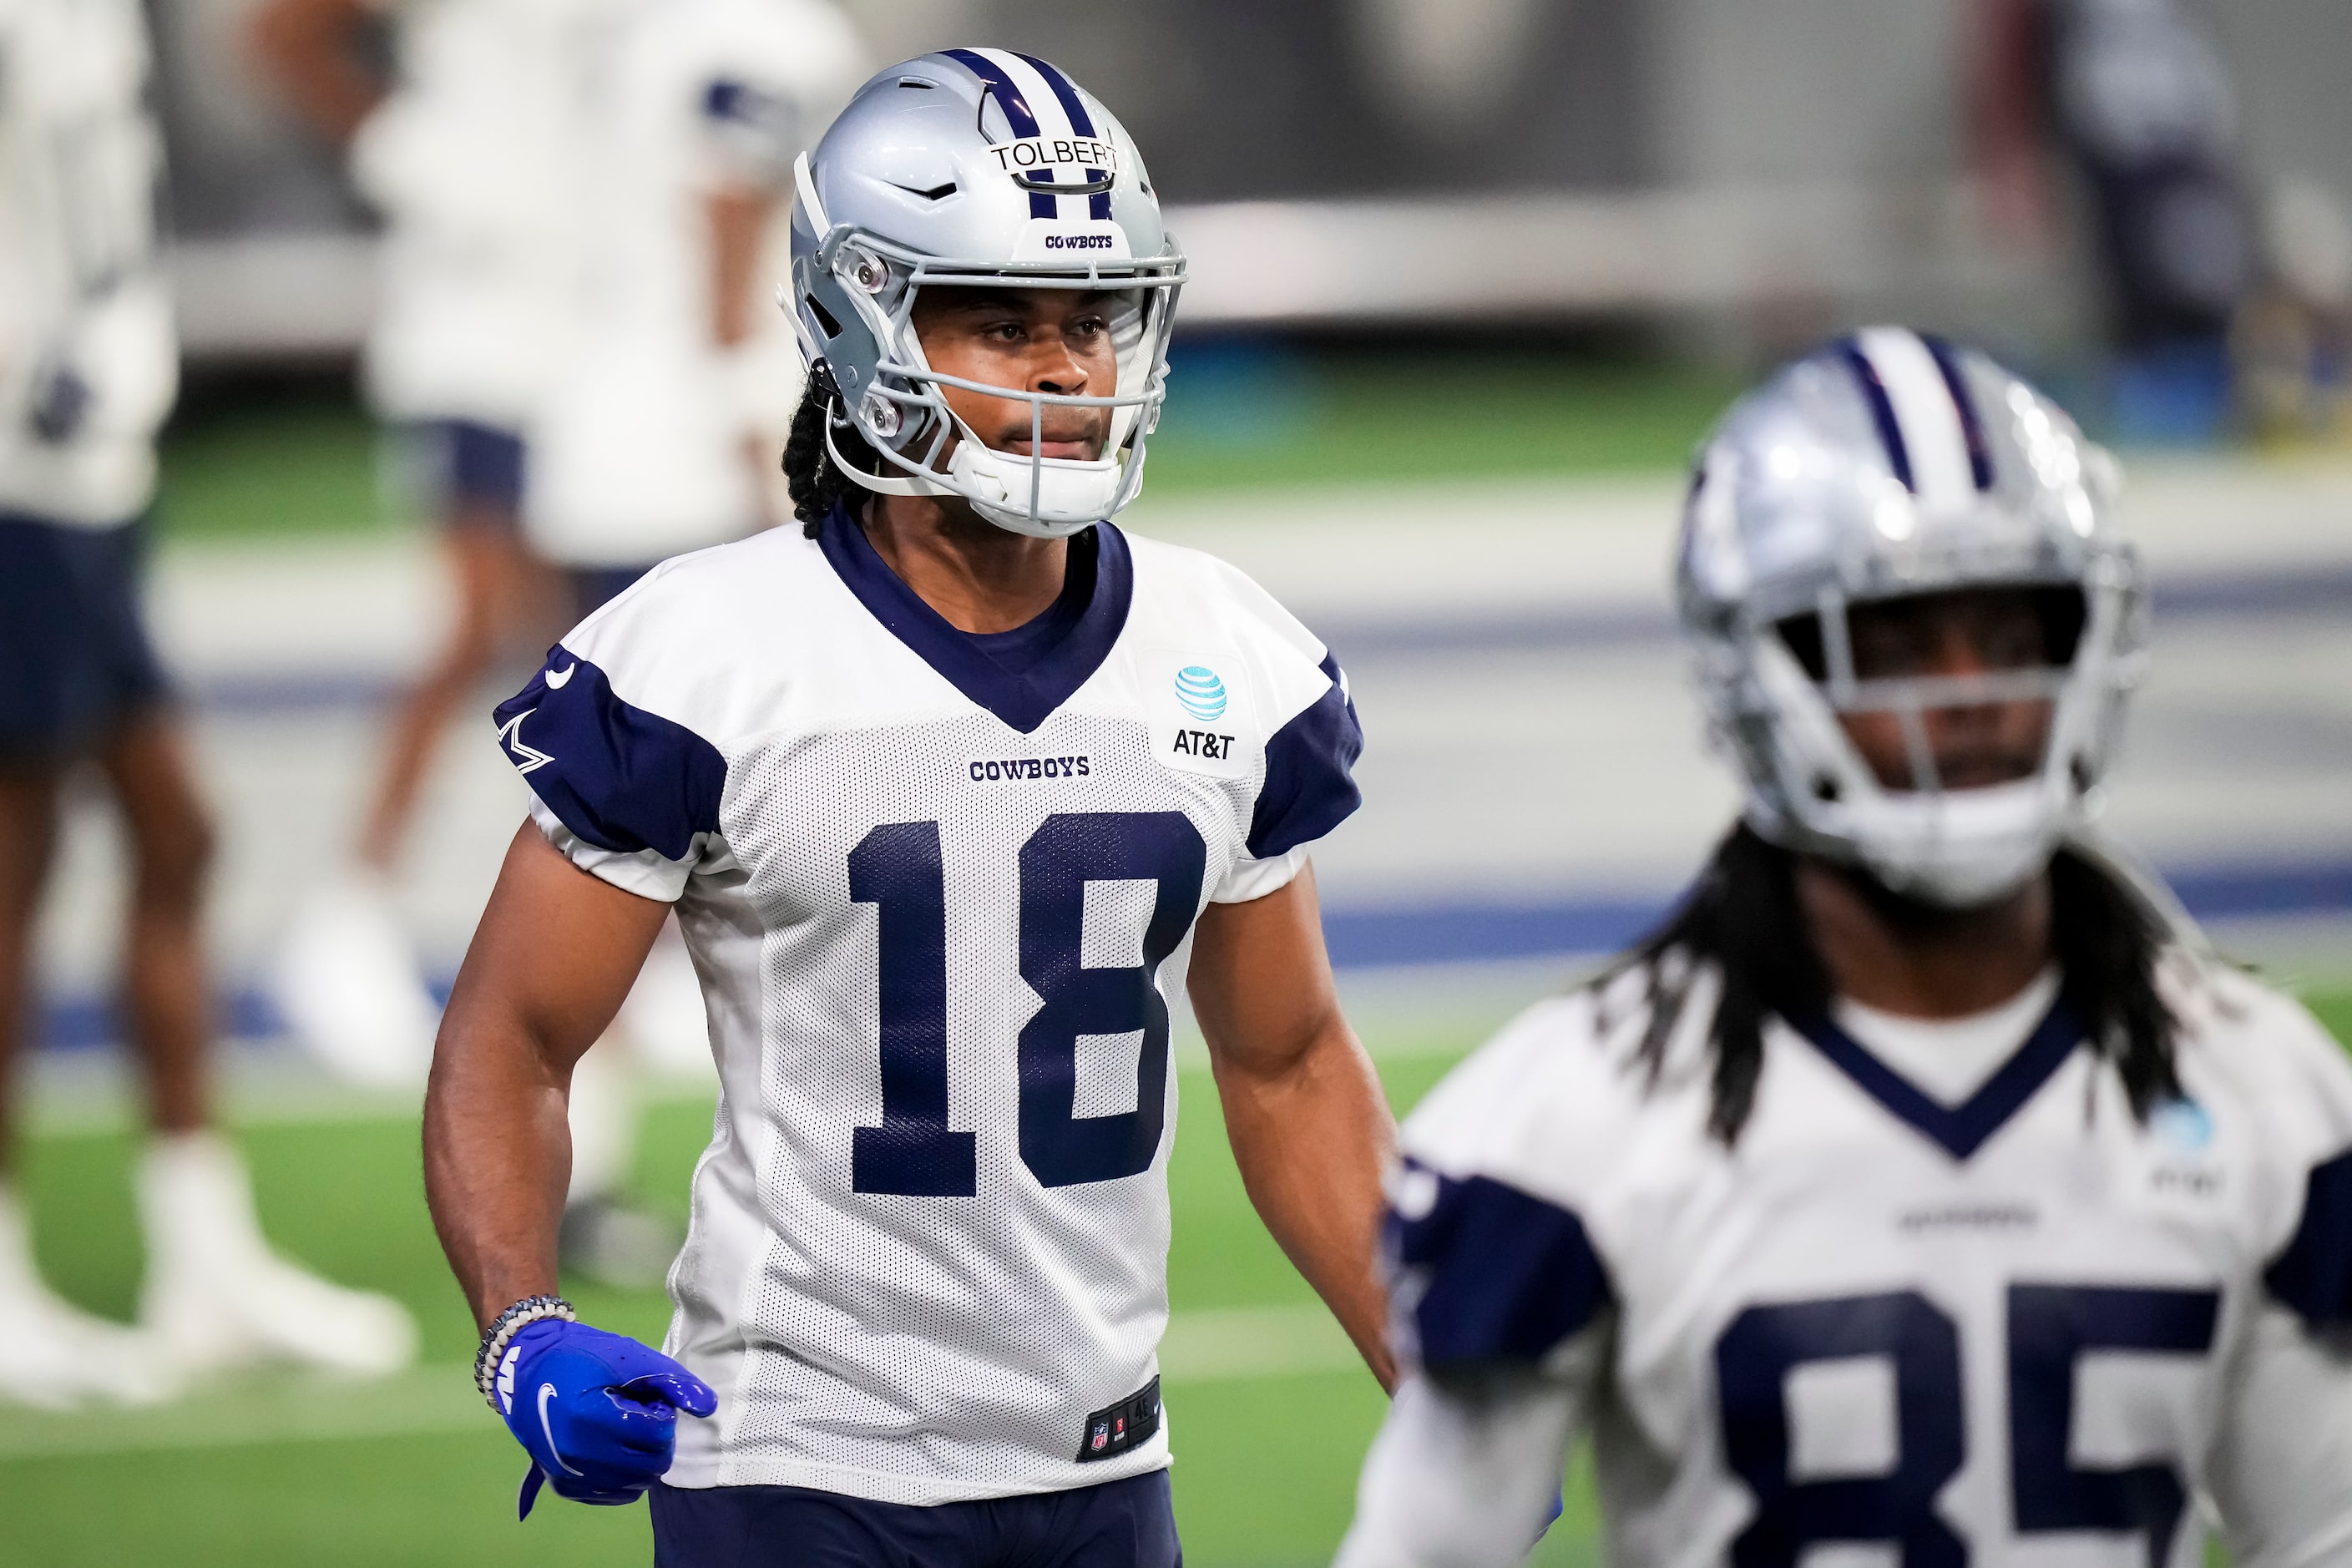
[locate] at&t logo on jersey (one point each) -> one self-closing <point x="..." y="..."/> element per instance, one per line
<point x="1204" y="743"/>
<point x="1201" y="693"/>
<point x="2181" y="1131"/>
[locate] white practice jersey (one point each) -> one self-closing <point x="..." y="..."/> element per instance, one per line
<point x="470" y="159"/>
<point x="937" y="888"/>
<point x="1945" y="1301"/>
<point x="88" y="364"/>
<point x="638" y="452"/>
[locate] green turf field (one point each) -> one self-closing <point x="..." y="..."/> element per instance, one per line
<point x="417" y="1472"/>
<point x="300" y="458"/>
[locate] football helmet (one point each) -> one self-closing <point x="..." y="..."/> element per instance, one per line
<point x="1887" y="465"/>
<point x="979" y="168"/>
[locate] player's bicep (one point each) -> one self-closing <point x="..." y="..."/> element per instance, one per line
<point x="1260" y="979"/>
<point x="2282" y="1472"/>
<point x="555" y="954"/>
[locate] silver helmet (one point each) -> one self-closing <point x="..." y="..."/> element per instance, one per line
<point x="979" y="168"/>
<point x="1892" y="464"/>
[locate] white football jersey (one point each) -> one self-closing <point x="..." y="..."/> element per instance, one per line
<point x="1945" y="1301"/>
<point x="937" y="888"/>
<point x="638" y="452"/>
<point x="89" y="362"/>
<point x="469" y="160"/>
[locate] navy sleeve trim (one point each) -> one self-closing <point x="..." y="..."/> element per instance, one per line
<point x="621" y="778"/>
<point x="2314" y="1274"/>
<point x="1488" y="1273"/>
<point x="1309" y="787"/>
<point x="765" y="123"/>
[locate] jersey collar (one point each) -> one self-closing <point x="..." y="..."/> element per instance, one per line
<point x="1960" y="1129"/>
<point x="1022" y="701"/>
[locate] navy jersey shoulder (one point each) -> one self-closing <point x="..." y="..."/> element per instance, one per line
<point x="619" y="777"/>
<point x="1310" y="781"/>
<point x="602" y="733"/>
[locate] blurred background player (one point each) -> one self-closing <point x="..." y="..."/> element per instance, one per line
<point x="467" y="153"/>
<point x="663" y="430"/>
<point x="2145" y="109"/>
<point x="87" y="372"/>
<point x="2136" y="98"/>
<point x="929" y="1286"/>
<point x="1921" y="1185"/>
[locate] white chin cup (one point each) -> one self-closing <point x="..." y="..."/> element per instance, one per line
<point x="1962" y="848"/>
<point x="1953" y="848"/>
<point x="1069" y="495"/>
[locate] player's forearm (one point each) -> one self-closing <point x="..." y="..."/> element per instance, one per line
<point x="550" y="962"/>
<point x="738" y="220"/>
<point x="1459" y="1481"/>
<point x="1312" y="1137"/>
<point x="497" y="1157"/>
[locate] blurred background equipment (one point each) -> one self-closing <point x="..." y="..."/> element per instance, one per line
<point x="1766" y="168"/>
<point x="1469" y="280"/>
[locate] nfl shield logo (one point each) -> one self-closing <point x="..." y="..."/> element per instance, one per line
<point x="1101" y="1437"/>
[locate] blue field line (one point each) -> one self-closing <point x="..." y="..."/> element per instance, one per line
<point x="1464" y="932"/>
<point x="1487" y="930"/>
<point x="2251" y="595"/>
<point x="2268" y="595"/>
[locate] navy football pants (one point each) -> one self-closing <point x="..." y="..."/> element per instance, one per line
<point x="1119" y="1525"/>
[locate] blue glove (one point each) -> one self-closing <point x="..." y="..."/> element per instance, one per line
<point x="597" y="1412"/>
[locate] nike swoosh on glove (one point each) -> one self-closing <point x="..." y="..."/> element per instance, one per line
<point x="597" y="1412"/>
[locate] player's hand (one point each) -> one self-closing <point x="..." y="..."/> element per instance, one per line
<point x="60" y="402"/>
<point x="597" y="1412"/>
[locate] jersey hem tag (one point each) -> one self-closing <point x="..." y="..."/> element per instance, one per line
<point x="1116" y="1429"/>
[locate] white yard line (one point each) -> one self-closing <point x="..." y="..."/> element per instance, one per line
<point x="1223" y="1344"/>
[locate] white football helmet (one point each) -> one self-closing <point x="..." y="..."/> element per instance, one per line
<point x="979" y="168"/>
<point x="1889" y="465"/>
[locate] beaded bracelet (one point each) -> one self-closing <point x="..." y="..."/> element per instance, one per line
<point x="501" y="1332"/>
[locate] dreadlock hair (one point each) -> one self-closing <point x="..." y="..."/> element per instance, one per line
<point x="1742" y="918"/>
<point x="812" y="477"/>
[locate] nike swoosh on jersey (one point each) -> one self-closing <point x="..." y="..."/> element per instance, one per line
<point x="557" y="679"/>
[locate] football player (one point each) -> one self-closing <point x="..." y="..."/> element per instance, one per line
<point x="88" y="368"/>
<point x="660" y="432"/>
<point x="466" y="158"/>
<point x="1921" y="1188"/>
<point x="946" y="785"/>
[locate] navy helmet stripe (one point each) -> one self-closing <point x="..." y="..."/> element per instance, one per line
<point x="1018" y="113"/>
<point x="1081" y="122"/>
<point x="1067" y="91"/>
<point x="1882" y="411"/>
<point x="1971" y="427"/>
